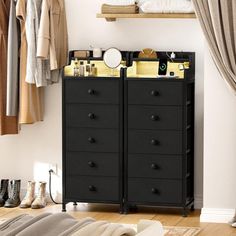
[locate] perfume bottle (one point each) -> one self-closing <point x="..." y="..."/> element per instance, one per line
<point x="93" y="70"/>
<point x="76" y="68"/>
<point x="81" y="68"/>
<point x="88" y="68"/>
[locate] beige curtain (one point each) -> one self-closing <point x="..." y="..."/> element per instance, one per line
<point x="218" y="22"/>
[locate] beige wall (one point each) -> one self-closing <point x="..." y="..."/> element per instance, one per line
<point x="27" y="155"/>
<point x="219" y="146"/>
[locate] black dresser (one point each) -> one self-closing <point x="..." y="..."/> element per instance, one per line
<point x="92" y="161"/>
<point x="129" y="140"/>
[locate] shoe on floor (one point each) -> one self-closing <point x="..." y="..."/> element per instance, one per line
<point x="233" y="220"/>
<point x="40" y="200"/>
<point x="30" y="195"/>
<point x="14" y="194"/>
<point x="3" y="191"/>
<point x="234" y="225"/>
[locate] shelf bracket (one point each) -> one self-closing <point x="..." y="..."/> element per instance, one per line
<point x="108" y="19"/>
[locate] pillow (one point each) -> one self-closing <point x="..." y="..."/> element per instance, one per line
<point x="166" y="6"/>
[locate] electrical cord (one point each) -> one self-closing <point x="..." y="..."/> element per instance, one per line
<point x="50" y="187"/>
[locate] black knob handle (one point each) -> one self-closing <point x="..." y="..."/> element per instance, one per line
<point x="92" y="188"/>
<point x="154" y="93"/>
<point x="91" y="116"/>
<point x="155" y="191"/>
<point x="154" y="166"/>
<point x="91" y="140"/>
<point x="91" y="164"/>
<point x="91" y="92"/>
<point x="154" y="142"/>
<point x="154" y="117"/>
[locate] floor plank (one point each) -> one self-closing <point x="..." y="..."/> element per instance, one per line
<point x="168" y="217"/>
<point x="217" y="230"/>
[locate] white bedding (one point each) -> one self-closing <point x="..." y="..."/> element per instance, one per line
<point x="166" y="6"/>
<point x="119" y="2"/>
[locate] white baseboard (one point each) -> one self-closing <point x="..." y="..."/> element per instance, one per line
<point x="216" y="215"/>
<point x="198" y="201"/>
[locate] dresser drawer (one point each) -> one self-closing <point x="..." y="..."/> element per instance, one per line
<point x="92" y="140"/>
<point x="88" y="115"/>
<point x="93" y="164"/>
<point x="155" y="191"/>
<point x="155" y="92"/>
<point x="154" y="166"/>
<point x="83" y="188"/>
<point x="155" y="117"/>
<point x="92" y="91"/>
<point x="162" y="142"/>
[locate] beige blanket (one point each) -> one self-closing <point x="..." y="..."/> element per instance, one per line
<point x="46" y="224"/>
<point x="62" y="224"/>
<point x="103" y="228"/>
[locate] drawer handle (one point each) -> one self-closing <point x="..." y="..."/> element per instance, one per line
<point x="154" y="93"/>
<point x="154" y="166"/>
<point x="155" y="117"/>
<point x="154" y="142"/>
<point x="91" y="116"/>
<point x="155" y="191"/>
<point x="91" y="92"/>
<point x="92" y="188"/>
<point x="91" y="164"/>
<point x="91" y="140"/>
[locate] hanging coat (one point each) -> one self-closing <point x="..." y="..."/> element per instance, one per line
<point x="38" y="70"/>
<point x="53" y="36"/>
<point x="31" y="97"/>
<point x="12" y="63"/>
<point x="8" y="124"/>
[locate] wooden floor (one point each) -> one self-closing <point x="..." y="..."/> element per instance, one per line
<point x="110" y="213"/>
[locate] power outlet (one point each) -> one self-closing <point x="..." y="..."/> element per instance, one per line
<point x="53" y="167"/>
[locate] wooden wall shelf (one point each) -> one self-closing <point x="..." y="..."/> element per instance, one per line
<point x="113" y="17"/>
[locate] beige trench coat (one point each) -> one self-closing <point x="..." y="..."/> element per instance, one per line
<point x="31" y="97"/>
<point x="53" y="37"/>
<point x="8" y="124"/>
